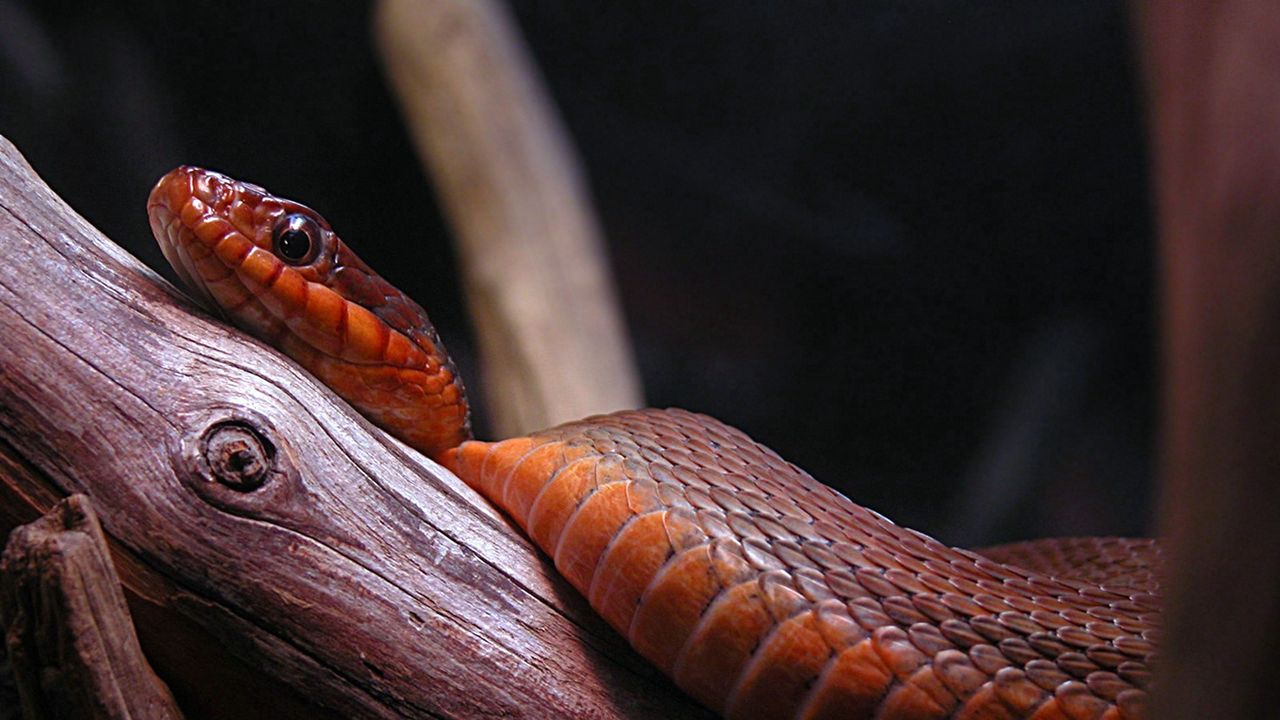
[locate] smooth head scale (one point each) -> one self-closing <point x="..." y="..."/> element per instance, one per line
<point x="275" y="268"/>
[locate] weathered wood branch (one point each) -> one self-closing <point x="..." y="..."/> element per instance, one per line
<point x="1215" y="111"/>
<point x="540" y="293"/>
<point x="70" y="639"/>
<point x="243" y="498"/>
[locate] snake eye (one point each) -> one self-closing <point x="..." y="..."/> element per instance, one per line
<point x="297" y="238"/>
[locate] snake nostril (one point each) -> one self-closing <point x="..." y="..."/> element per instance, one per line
<point x="223" y="194"/>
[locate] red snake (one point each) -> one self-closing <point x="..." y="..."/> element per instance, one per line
<point x="759" y="591"/>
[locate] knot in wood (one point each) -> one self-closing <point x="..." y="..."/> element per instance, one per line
<point x="238" y="456"/>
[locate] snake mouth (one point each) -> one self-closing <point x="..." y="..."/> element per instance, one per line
<point x="167" y="230"/>
<point x="174" y="238"/>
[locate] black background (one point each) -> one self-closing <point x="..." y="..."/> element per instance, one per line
<point x="907" y="245"/>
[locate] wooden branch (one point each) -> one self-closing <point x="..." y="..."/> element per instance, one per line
<point x="69" y="636"/>
<point x="1215" y="111"/>
<point x="245" y="498"/>
<point x="552" y="339"/>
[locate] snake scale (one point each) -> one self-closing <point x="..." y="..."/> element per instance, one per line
<point x="761" y="592"/>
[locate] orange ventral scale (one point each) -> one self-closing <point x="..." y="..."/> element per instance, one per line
<point x="759" y="591"/>
<point x="764" y="594"/>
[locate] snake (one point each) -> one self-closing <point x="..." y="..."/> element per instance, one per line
<point x="759" y="591"/>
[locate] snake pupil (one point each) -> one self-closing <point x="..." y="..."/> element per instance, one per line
<point x="295" y="238"/>
<point x="294" y="244"/>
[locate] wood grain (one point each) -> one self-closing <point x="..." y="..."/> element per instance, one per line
<point x="552" y="340"/>
<point x="69" y="635"/>
<point x="358" y="573"/>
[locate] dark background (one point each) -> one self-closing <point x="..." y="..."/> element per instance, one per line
<point x="907" y="245"/>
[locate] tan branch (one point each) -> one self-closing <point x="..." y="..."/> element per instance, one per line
<point x="551" y="335"/>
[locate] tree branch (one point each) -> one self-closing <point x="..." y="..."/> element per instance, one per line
<point x="69" y="636"/>
<point x="353" y="570"/>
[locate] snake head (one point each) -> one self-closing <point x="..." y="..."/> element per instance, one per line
<point x="276" y="268"/>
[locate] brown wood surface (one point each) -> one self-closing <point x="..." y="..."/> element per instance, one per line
<point x="68" y="633"/>
<point x="1213" y="68"/>
<point x="552" y="341"/>
<point x="350" y="569"/>
<point x="197" y="665"/>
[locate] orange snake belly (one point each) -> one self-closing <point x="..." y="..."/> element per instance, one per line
<point x="759" y="591"/>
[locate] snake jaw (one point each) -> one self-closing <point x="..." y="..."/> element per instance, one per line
<point x="326" y="309"/>
<point x="208" y="241"/>
<point x="165" y="228"/>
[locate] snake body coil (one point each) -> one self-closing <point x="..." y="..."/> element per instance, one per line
<point x="759" y="591"/>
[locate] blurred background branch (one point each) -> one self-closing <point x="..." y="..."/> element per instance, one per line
<point x="540" y="294"/>
<point x="1215" y="109"/>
